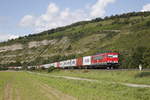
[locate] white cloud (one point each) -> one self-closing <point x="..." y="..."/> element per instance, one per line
<point x="5" y="37"/>
<point x="52" y="9"/>
<point x="12" y="36"/>
<point x="146" y="7"/>
<point x="61" y="18"/>
<point x="27" y="20"/>
<point x="55" y="17"/>
<point x="98" y="9"/>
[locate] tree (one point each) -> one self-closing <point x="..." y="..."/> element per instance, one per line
<point x="146" y="58"/>
<point x="137" y="56"/>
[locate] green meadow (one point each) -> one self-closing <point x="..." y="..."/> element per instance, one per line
<point x="31" y="86"/>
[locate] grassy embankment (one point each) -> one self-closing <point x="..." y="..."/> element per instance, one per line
<point x="26" y="86"/>
<point x="128" y="76"/>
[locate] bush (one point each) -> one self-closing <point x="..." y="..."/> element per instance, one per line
<point x="143" y="74"/>
<point x="148" y="23"/>
<point x="3" y="68"/>
<point x="32" y="68"/>
<point x="50" y="69"/>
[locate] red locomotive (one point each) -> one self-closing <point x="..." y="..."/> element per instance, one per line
<point x="105" y="59"/>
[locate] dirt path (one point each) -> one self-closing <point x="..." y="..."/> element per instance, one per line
<point x="17" y="95"/>
<point x="84" y="79"/>
<point x="92" y="80"/>
<point x="54" y="94"/>
<point x="76" y="78"/>
<point x="136" y="85"/>
<point x="8" y="92"/>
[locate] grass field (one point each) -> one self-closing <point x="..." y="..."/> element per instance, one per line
<point x="28" y="86"/>
<point x="128" y="76"/>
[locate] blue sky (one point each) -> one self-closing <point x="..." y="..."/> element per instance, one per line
<point x="23" y="17"/>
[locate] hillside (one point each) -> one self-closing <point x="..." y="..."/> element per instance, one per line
<point x="128" y="34"/>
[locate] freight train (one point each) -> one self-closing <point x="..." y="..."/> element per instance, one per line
<point x="102" y="60"/>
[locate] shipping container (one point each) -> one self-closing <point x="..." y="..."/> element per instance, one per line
<point x="46" y="65"/>
<point x="57" y="64"/>
<point x="87" y="60"/>
<point x="67" y="63"/>
<point x="53" y="65"/>
<point x="61" y="64"/>
<point x="73" y="62"/>
<point x="79" y="62"/>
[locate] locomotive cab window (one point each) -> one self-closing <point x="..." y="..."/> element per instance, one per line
<point x="115" y="56"/>
<point x="98" y="58"/>
<point x="112" y="56"/>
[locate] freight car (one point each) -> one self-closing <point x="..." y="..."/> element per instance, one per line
<point x="102" y="60"/>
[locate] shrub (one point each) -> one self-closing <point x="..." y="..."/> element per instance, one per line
<point x="50" y="69"/>
<point x="32" y="68"/>
<point x="3" y="68"/>
<point x="148" y="23"/>
<point x="143" y="74"/>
